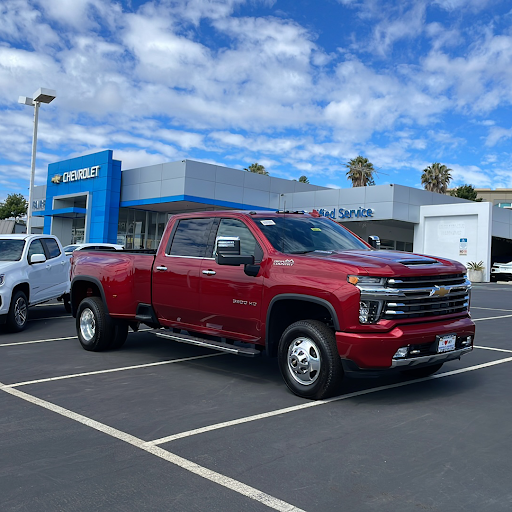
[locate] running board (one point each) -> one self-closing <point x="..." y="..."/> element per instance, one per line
<point x="216" y="345"/>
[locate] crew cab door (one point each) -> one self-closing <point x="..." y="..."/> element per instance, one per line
<point x="230" y="299"/>
<point x="176" y="272"/>
<point x="39" y="277"/>
<point x="58" y="265"/>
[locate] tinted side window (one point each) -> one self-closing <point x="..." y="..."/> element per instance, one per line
<point x="36" y="247"/>
<point x="191" y="238"/>
<point x="248" y="244"/>
<point x="53" y="247"/>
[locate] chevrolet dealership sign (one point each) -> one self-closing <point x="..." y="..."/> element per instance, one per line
<point x="80" y="174"/>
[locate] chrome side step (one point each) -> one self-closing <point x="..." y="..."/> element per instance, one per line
<point x="216" y="345"/>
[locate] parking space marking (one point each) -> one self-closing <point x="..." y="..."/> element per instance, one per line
<point x="490" y="318"/>
<point x="492" y="309"/>
<point x="36" y="341"/>
<point x="110" y="370"/>
<point x="495" y="349"/>
<point x="208" y="474"/>
<point x="58" y="339"/>
<point x="308" y="405"/>
<point x="55" y="339"/>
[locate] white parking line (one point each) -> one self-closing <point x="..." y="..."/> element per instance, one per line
<point x="490" y="318"/>
<point x="492" y="309"/>
<point x="212" y="476"/>
<point x="57" y="339"/>
<point x="495" y="349"/>
<point x="308" y="405"/>
<point x="110" y="370"/>
<point x="36" y="341"/>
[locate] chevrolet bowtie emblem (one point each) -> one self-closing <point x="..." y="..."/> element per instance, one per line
<point x="439" y="291"/>
<point x="57" y="178"/>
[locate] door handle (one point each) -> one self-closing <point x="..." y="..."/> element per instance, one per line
<point x="209" y="272"/>
<point x="48" y="266"/>
<point x="163" y="269"/>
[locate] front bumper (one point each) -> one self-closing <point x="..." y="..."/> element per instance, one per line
<point x="375" y="351"/>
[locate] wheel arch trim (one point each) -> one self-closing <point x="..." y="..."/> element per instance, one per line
<point x="86" y="279"/>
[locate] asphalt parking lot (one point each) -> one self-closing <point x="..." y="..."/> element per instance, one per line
<point x="163" y="426"/>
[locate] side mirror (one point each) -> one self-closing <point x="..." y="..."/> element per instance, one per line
<point x="227" y="252"/>
<point x="37" y="258"/>
<point x="374" y="241"/>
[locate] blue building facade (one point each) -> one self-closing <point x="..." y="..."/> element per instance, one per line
<point x="82" y="198"/>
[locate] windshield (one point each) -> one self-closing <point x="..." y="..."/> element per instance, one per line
<point x="11" y="250"/>
<point x="300" y="235"/>
<point x="70" y="248"/>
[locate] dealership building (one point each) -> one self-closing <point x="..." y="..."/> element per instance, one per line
<point x="91" y="199"/>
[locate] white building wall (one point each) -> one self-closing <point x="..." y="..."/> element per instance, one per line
<point x="443" y="228"/>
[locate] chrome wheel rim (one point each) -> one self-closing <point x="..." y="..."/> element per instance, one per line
<point x="304" y="361"/>
<point x="87" y="324"/>
<point x="20" y="311"/>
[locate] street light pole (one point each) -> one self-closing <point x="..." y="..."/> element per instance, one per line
<point x="40" y="96"/>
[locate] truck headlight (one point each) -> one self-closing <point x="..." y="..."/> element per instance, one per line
<point x="2" y="279"/>
<point x="366" y="280"/>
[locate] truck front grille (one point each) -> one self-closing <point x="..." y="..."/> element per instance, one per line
<point x="428" y="296"/>
<point x="418" y="297"/>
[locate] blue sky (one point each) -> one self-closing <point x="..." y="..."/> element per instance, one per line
<point x="300" y="86"/>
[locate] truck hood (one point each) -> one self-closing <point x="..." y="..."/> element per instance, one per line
<point x="384" y="263"/>
<point x="5" y="266"/>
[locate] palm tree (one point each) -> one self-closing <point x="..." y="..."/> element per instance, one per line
<point x="436" y="178"/>
<point x="303" y="179"/>
<point x="257" y="169"/>
<point x="360" y="172"/>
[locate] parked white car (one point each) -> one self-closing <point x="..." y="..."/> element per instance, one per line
<point x="33" y="269"/>
<point x="501" y="271"/>
<point x="69" y="249"/>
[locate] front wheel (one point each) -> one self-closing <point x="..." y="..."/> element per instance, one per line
<point x="17" y="316"/>
<point x="94" y="326"/>
<point x="309" y="360"/>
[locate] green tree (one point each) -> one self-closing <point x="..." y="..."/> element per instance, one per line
<point x="436" y="178"/>
<point x="14" y="206"/>
<point x="257" y="169"/>
<point x="466" y="192"/>
<point x="303" y="179"/>
<point x="360" y="172"/>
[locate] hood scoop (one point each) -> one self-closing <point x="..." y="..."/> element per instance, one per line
<point x="419" y="262"/>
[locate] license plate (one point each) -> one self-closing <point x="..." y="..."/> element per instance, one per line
<point x="446" y="343"/>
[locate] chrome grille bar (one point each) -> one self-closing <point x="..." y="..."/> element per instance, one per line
<point x="423" y="296"/>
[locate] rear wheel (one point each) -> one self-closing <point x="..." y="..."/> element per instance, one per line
<point x="424" y="371"/>
<point x="120" y="334"/>
<point x="309" y="360"/>
<point x="17" y="316"/>
<point x="94" y="326"/>
<point x="67" y="304"/>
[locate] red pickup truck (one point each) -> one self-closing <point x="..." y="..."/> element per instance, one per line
<point x="293" y="285"/>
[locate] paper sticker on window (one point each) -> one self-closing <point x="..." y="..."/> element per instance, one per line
<point x="316" y="229"/>
<point x="268" y="222"/>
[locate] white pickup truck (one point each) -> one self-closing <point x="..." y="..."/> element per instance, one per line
<point x="33" y="269"/>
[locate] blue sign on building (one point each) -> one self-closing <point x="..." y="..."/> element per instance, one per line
<point x="82" y="198"/>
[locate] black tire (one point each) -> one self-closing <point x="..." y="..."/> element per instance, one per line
<point x="309" y="360"/>
<point x="424" y="371"/>
<point x="17" y="317"/>
<point x="67" y="304"/>
<point x="94" y="326"/>
<point x="120" y="334"/>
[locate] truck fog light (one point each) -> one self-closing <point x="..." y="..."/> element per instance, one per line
<point x="401" y="353"/>
<point x="369" y="311"/>
<point x="467" y="342"/>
